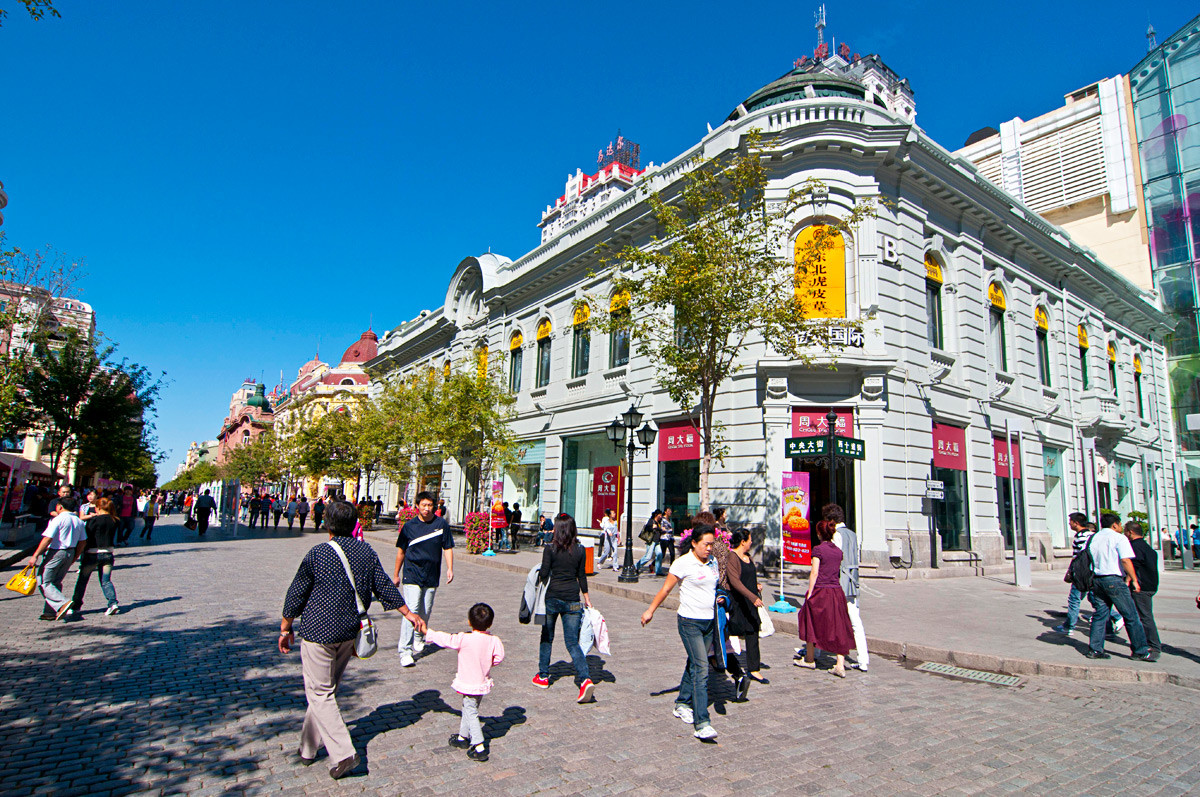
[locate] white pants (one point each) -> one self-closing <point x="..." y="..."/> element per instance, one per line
<point x="420" y="601"/>
<point x="860" y="636"/>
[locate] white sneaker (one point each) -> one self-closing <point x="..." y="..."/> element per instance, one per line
<point x="406" y="660"/>
<point x="111" y="610"/>
<point x="684" y="713"/>
<point x="418" y="644"/>
<point x="1119" y="625"/>
<point x="707" y="733"/>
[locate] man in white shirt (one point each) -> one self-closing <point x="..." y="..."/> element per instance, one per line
<point x="63" y="540"/>
<point x="609" y="534"/>
<point x="847" y="541"/>
<point x="1114" y="577"/>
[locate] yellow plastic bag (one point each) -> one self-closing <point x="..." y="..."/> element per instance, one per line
<point x="24" y="582"/>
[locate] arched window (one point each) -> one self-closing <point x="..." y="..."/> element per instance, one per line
<point x="618" y="342"/>
<point x="581" y="342"/>
<point x="997" y="335"/>
<point x="1112" y="368"/>
<point x="347" y="381"/>
<point x="543" y="353"/>
<point x="820" y="260"/>
<point x="1137" y="385"/>
<point x="933" y="301"/>
<point x="1082" y="335"/>
<point x="514" y="362"/>
<point x="1041" y="322"/>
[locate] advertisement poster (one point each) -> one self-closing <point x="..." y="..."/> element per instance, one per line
<point x="498" y="519"/>
<point x="16" y="492"/>
<point x="797" y="538"/>
<point x="606" y="493"/>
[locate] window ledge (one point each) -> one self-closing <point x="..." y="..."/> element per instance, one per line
<point x="576" y="385"/>
<point x="617" y="372"/>
<point x="538" y="393"/>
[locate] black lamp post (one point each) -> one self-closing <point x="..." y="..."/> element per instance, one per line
<point x="620" y="430"/>
<point x="831" y="420"/>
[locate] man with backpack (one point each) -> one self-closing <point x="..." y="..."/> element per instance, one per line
<point x="1112" y="579"/>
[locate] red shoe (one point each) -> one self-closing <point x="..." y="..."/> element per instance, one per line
<point x="585" y="691"/>
<point x="541" y="682"/>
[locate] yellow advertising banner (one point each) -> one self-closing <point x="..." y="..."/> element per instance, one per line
<point x="821" y="276"/>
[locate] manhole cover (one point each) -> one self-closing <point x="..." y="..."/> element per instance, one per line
<point x="971" y="675"/>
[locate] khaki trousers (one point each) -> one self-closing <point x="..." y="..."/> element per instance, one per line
<point x="323" y="666"/>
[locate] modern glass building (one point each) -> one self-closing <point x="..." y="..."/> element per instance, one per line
<point x="1166" y="96"/>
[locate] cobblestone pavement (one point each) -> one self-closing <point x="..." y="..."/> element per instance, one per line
<point x="184" y="693"/>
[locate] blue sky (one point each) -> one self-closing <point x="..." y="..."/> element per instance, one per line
<point x="249" y="180"/>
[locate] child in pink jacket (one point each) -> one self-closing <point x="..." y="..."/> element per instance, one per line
<point x="478" y="652"/>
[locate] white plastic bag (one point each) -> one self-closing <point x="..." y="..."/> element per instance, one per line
<point x="587" y="636"/>
<point x="766" y="627"/>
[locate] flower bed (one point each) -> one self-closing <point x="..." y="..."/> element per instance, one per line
<point x="477" y="526"/>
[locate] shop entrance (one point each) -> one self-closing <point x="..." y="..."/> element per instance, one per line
<point x="818" y="487"/>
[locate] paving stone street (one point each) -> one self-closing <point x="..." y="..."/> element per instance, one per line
<point x="184" y="692"/>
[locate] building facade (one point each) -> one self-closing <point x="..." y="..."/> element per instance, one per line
<point x="250" y="414"/>
<point x="996" y="355"/>
<point x="1165" y="89"/>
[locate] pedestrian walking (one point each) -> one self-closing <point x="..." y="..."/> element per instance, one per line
<point x="420" y="547"/>
<point x="514" y="526"/>
<point x="478" y="652"/>
<point x="101" y="530"/>
<point x="62" y="541"/>
<point x="824" y="620"/>
<point x="546" y="530"/>
<point x="608" y="537"/>
<point x="318" y="513"/>
<point x="277" y="506"/>
<point x="1113" y="579"/>
<point x="127" y="513"/>
<point x="563" y="573"/>
<point x="323" y="598"/>
<point x="442" y="511"/>
<point x="88" y="508"/>
<point x="302" y="509"/>
<point x="1078" y="523"/>
<point x="696" y="572"/>
<point x="1145" y="567"/>
<point x="745" y="599"/>
<point x="149" y="516"/>
<point x="666" y="542"/>
<point x="255" y="509"/>
<point x="378" y="506"/>
<point x="205" y="505"/>
<point x="649" y="535"/>
<point x="293" y="508"/>
<point x="847" y="542"/>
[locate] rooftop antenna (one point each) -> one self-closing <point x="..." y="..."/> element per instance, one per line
<point x="819" y="16"/>
<point x="1151" y="38"/>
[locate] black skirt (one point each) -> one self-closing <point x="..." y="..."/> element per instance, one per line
<point x="743" y="614"/>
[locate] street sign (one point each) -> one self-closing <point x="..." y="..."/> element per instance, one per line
<point x="936" y="495"/>
<point x="850" y="447"/>
<point x="796" y="447"/>
<point x="935" y="484"/>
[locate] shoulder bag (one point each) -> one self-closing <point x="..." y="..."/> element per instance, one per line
<point x="367" y="641"/>
<point x="1081" y="571"/>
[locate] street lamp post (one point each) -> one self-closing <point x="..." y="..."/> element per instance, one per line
<point x="620" y="430"/>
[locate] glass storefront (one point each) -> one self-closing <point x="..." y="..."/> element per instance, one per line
<point x="1121" y="475"/>
<point x="1009" y="500"/>
<point x="679" y="469"/>
<point x="951" y="514"/>
<point x="1056" y="501"/>
<point x="523" y="482"/>
<point x="581" y="456"/>
<point x="812" y="422"/>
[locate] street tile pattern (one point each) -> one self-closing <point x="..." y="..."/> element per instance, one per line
<point x="184" y="692"/>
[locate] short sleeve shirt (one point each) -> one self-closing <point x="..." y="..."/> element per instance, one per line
<point x="697" y="586"/>
<point x="1108" y="549"/>
<point x="423" y="544"/>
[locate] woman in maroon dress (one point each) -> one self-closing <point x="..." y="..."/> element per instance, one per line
<point x="824" y="620"/>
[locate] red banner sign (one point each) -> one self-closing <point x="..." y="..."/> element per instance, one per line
<point x="797" y="536"/>
<point x="813" y="423"/>
<point x="949" y="447"/>
<point x="606" y="493"/>
<point x="678" y="440"/>
<point x="1000" y="454"/>
<point x="499" y="520"/>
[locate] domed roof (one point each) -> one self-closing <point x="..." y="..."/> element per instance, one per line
<point x="794" y="86"/>
<point x="309" y="367"/>
<point x="365" y="348"/>
<point x="259" y="398"/>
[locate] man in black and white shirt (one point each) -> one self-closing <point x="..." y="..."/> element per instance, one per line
<point x="420" y="547"/>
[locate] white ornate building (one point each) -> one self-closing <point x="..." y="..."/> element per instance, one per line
<point x="986" y="330"/>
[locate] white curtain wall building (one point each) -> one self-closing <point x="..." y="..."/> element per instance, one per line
<point x="986" y="332"/>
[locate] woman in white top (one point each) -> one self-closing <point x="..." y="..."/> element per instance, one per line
<point x="610" y="533"/>
<point x="697" y="572"/>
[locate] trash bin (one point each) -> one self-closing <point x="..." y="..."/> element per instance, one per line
<point x="589" y="557"/>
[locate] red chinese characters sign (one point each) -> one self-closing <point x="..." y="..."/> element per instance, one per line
<point x="606" y="493"/>
<point x="1000" y="455"/>
<point x="499" y="519"/>
<point x="678" y="440"/>
<point x="949" y="447"/>
<point x="797" y="536"/>
<point x="813" y="423"/>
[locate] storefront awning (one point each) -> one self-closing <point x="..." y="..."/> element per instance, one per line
<point x="37" y="470"/>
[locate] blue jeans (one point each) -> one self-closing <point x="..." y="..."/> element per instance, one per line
<point x="572" y="617"/>
<point x="101" y="563"/>
<point x="648" y="557"/>
<point x="697" y="636"/>
<point x="1108" y="591"/>
<point x="660" y="554"/>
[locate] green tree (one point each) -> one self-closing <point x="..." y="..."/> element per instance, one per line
<point x="36" y="8"/>
<point x="716" y="278"/>
<point x="255" y="463"/>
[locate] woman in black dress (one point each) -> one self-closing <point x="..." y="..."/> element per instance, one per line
<point x="745" y="598"/>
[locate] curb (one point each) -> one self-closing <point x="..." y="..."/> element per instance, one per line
<point x="905" y="651"/>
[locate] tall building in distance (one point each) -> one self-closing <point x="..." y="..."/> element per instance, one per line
<point x="1165" y="88"/>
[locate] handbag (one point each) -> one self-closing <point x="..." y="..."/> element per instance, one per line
<point x="191" y="523"/>
<point x="765" y="626"/>
<point x="24" y="582"/>
<point x="367" y="641"/>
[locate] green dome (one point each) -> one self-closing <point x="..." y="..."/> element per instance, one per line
<point x="794" y="86"/>
<point x="259" y="399"/>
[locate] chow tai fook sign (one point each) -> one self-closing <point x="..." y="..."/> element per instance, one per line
<point x="949" y="447"/>
<point x="606" y="493"/>
<point x="678" y="440"/>
<point x="1000" y="454"/>
<point x="809" y="422"/>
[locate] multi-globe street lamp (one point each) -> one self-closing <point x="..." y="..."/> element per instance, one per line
<point x="621" y="429"/>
